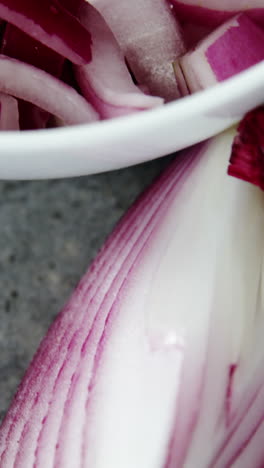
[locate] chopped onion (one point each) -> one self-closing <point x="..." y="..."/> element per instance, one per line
<point x="135" y="371"/>
<point x="38" y="87"/>
<point x="218" y="56"/>
<point x="135" y="47"/>
<point x="150" y="39"/>
<point x="106" y="81"/>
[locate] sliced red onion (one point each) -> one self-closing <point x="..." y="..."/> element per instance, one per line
<point x="18" y="45"/>
<point x="247" y="159"/>
<point x="150" y="39"/>
<point x="105" y="81"/>
<point x="38" y="87"/>
<point x="49" y="23"/>
<point x="135" y="371"/>
<point x="9" y="117"/>
<point x="182" y="80"/>
<point x="219" y="56"/>
<point x="213" y="13"/>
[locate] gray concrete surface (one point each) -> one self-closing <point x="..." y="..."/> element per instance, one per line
<point x="49" y="232"/>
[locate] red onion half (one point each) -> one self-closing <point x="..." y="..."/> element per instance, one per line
<point x="152" y="356"/>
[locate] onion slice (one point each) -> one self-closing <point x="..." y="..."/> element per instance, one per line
<point x="150" y="39"/>
<point x="16" y="44"/>
<point x="9" y="116"/>
<point x="105" y="81"/>
<point x="38" y="87"/>
<point x="49" y="23"/>
<point x="212" y="13"/>
<point x="218" y="56"/>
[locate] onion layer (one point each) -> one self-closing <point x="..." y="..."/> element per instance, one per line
<point x="218" y="56"/>
<point x="211" y="13"/>
<point x="38" y="87"/>
<point x="150" y="39"/>
<point x="106" y="81"/>
<point x="9" y="117"/>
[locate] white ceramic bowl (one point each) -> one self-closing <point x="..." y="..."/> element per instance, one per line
<point x="112" y="144"/>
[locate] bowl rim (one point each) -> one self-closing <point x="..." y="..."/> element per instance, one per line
<point x="80" y="135"/>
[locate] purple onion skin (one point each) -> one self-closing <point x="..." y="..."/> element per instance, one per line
<point x="49" y="22"/>
<point x="211" y="17"/>
<point x="252" y="38"/>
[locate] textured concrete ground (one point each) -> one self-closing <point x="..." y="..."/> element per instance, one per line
<point x="49" y="232"/>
